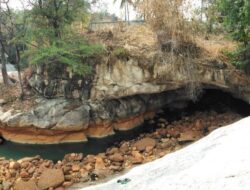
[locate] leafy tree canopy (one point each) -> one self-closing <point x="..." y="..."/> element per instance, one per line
<point x="236" y="14"/>
<point x="236" y="19"/>
<point x="52" y="38"/>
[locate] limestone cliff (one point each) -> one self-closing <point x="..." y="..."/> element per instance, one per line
<point x="127" y="78"/>
<point x="123" y="93"/>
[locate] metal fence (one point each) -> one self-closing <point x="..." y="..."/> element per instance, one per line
<point x="111" y="24"/>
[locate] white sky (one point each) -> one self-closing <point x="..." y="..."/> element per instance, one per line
<point x="111" y="7"/>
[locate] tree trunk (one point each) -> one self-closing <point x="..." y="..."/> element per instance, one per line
<point x="202" y="5"/>
<point x="4" y="69"/>
<point x="19" y="73"/>
<point x="3" y="58"/>
<point x="127" y="11"/>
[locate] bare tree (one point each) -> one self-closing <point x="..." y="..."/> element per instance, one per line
<point x="125" y="4"/>
<point x="3" y="49"/>
<point x="8" y="22"/>
<point x="12" y="33"/>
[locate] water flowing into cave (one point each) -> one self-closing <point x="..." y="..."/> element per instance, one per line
<point x="210" y="100"/>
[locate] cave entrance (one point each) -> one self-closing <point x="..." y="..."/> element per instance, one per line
<point x="212" y="107"/>
<point x="209" y="101"/>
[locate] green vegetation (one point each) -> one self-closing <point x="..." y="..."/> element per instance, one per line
<point x="73" y="54"/>
<point x="47" y="33"/>
<point x="236" y="19"/>
<point x="120" y="53"/>
<point x="52" y="39"/>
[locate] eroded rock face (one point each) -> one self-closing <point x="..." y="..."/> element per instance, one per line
<point x="60" y="120"/>
<point x="124" y="93"/>
<point x="160" y="74"/>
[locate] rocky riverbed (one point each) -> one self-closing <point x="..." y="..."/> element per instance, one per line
<point x="38" y="173"/>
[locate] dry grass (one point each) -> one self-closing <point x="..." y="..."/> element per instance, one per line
<point x="139" y="40"/>
<point x="166" y="18"/>
<point x="11" y="95"/>
<point x="142" y="41"/>
<point x="216" y="46"/>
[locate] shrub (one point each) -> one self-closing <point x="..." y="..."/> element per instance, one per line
<point x="120" y="53"/>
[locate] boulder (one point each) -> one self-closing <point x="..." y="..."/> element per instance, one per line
<point x="190" y="136"/>
<point x="22" y="185"/>
<point x="145" y="142"/>
<point x="24" y="174"/>
<point x="6" y="185"/>
<point x="50" y="178"/>
<point x="2" y="102"/>
<point x="14" y="165"/>
<point x="117" y="157"/>
<point x="99" y="164"/>
<point x="137" y="158"/>
<point x="76" y="167"/>
<point x="77" y="119"/>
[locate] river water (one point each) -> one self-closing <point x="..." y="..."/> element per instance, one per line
<point x="16" y="151"/>
<point x="211" y="100"/>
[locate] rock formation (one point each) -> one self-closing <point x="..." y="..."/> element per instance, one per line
<point x="120" y="96"/>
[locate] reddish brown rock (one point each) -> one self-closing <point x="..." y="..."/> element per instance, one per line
<point x="199" y="125"/>
<point x="115" y="168"/>
<point x="124" y="148"/>
<point x="128" y="123"/>
<point x="25" y="185"/>
<point x="137" y="157"/>
<point x="24" y="165"/>
<point x="112" y="150"/>
<point x="6" y="185"/>
<point x="31" y="170"/>
<point x="162" y="132"/>
<point x="41" y="136"/>
<point x="24" y="174"/>
<point x="99" y="164"/>
<point x="100" y="131"/>
<point x="60" y="188"/>
<point x="190" y="136"/>
<point x="73" y="157"/>
<point x="88" y="167"/>
<point x="100" y="169"/>
<point x="174" y="133"/>
<point x="149" y="149"/>
<point x="66" y="169"/>
<point x="102" y="173"/>
<point x="67" y="184"/>
<point x="14" y="165"/>
<point x="90" y="159"/>
<point x="143" y="143"/>
<point x="168" y="143"/>
<point x="50" y="178"/>
<point x="76" y="167"/>
<point x="117" y="157"/>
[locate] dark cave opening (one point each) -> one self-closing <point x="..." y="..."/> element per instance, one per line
<point x="210" y="100"/>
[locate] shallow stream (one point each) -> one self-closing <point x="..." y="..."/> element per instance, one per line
<point x="57" y="152"/>
<point x="211" y="100"/>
